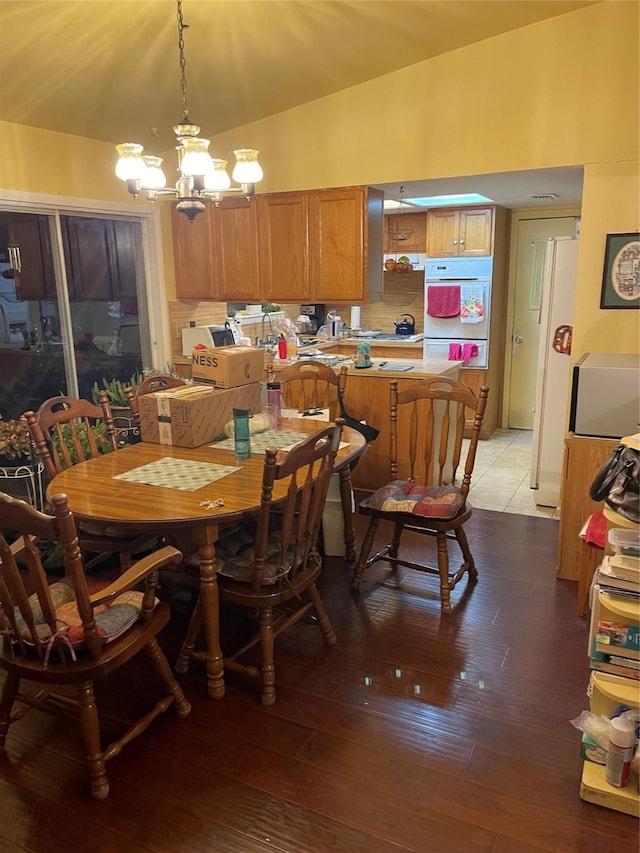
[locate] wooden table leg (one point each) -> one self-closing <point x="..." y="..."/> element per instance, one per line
<point x="205" y="538"/>
<point x="346" y="496"/>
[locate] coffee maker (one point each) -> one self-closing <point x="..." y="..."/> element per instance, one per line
<point x="315" y="313"/>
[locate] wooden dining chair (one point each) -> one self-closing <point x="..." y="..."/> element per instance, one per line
<point x="426" y="494"/>
<point x="61" y="635"/>
<point x="309" y="386"/>
<point x="66" y="431"/>
<point x="276" y="563"/>
<point x="149" y="386"/>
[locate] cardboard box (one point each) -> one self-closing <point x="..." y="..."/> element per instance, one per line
<point x="193" y="415"/>
<point x="228" y="367"/>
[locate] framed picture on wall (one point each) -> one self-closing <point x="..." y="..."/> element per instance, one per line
<point x="621" y="277"/>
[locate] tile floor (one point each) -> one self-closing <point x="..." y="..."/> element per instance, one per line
<point x="500" y="479"/>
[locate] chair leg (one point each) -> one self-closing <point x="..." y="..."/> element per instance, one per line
<point x="469" y="562"/>
<point x="161" y="664"/>
<point x="195" y="626"/>
<point x="347" y="514"/>
<point x="9" y="693"/>
<point x="268" y="668"/>
<point x="365" y="550"/>
<point x="90" y="725"/>
<point x="323" y="620"/>
<point x="443" y="570"/>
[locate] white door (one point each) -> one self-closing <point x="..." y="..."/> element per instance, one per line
<point x="525" y="329"/>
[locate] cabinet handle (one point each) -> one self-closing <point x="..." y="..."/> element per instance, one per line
<point x="462" y="242"/>
<point x="455" y="242"/>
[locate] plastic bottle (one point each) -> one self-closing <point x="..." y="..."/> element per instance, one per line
<point x="622" y="740"/>
<point x="242" y="435"/>
<point x="292" y="345"/>
<point x="274" y="402"/>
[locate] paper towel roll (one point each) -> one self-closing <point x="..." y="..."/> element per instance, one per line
<point x="355" y="317"/>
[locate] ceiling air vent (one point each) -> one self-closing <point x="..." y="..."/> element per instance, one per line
<point x="545" y="196"/>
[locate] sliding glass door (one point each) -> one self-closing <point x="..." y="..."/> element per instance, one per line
<point x="72" y="305"/>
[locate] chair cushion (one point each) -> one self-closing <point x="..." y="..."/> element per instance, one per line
<point x="112" y="620"/>
<point x="427" y="501"/>
<point x="238" y="566"/>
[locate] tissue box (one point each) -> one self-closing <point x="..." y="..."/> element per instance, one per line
<point x="228" y="367"/>
<point x="193" y="415"/>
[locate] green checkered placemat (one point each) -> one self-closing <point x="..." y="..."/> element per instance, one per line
<point x="281" y="439"/>
<point x="180" y="474"/>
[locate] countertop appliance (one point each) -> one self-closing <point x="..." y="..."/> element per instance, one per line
<point x="457" y="309"/>
<point x="316" y="315"/>
<point x="605" y="395"/>
<point x="554" y="368"/>
<point x="209" y="336"/>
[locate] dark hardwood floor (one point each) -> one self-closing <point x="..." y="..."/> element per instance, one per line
<point x="415" y="732"/>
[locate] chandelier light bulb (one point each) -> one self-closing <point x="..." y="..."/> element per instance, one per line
<point x="154" y="178"/>
<point x="218" y="178"/>
<point x="195" y="157"/>
<point x="130" y="165"/>
<point x="247" y="169"/>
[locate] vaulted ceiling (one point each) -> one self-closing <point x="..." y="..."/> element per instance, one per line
<point x="109" y="69"/>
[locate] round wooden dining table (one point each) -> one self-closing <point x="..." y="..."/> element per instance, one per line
<point x="111" y="491"/>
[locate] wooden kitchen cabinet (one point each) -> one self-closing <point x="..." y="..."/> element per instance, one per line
<point x="345" y="243"/>
<point x="413" y="225"/>
<point x="464" y="232"/>
<point x="234" y="240"/>
<point x="283" y="247"/>
<point x="584" y="456"/>
<point x="100" y="257"/>
<point x="193" y="255"/>
<point x="30" y="233"/>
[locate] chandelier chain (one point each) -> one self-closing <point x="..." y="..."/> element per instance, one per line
<point x="183" y="63"/>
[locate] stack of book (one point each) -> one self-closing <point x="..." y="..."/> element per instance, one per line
<point x="614" y="638"/>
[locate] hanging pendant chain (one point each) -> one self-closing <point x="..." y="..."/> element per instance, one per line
<point x="183" y="63"/>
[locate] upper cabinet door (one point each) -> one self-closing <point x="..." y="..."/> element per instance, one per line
<point x="88" y="258"/>
<point x="234" y="228"/>
<point x="193" y="255"/>
<point x="283" y="246"/>
<point x="442" y="233"/>
<point x="476" y="229"/>
<point x="30" y="233"/>
<point x="346" y="230"/>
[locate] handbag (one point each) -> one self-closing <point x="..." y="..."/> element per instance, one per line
<point x="369" y="432"/>
<point x="618" y="483"/>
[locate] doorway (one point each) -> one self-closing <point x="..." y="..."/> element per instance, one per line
<point x="523" y="335"/>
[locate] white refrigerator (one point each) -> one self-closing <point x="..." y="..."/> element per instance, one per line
<point x="553" y="376"/>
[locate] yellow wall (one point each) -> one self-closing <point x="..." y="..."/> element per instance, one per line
<point x="611" y="205"/>
<point x="42" y="161"/>
<point x="561" y="92"/>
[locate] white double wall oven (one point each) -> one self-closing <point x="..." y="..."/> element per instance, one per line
<point x="458" y="309"/>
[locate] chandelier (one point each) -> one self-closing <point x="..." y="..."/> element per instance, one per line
<point x="201" y="176"/>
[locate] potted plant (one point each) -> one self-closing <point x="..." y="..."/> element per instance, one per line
<point x="15" y="443"/>
<point x="115" y="389"/>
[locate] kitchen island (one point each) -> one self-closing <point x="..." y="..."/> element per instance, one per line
<point x="367" y="398"/>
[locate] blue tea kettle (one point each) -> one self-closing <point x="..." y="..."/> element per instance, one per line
<point x="404" y="327"/>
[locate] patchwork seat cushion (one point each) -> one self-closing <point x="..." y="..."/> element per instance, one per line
<point x="427" y="501"/>
<point x="235" y="556"/>
<point x="111" y="619"/>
